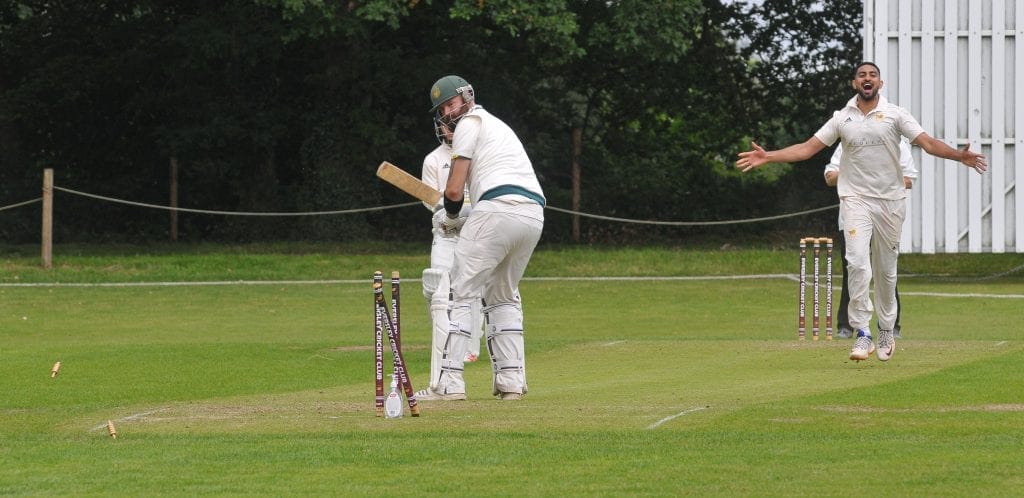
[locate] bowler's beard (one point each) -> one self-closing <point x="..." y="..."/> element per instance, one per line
<point x="868" y="95"/>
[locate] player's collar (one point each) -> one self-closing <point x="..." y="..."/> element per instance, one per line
<point x="882" y="101"/>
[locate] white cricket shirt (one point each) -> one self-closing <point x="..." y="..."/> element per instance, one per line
<point x="870" y="163"/>
<point x="496" y="154"/>
<point x="436" y="167"/>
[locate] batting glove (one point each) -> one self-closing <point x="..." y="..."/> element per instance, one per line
<point x="448" y="227"/>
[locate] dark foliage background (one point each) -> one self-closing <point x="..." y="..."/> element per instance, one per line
<point x="289" y="105"/>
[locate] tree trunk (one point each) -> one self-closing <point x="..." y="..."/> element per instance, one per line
<point x="174" y="199"/>
<point x="577" y="150"/>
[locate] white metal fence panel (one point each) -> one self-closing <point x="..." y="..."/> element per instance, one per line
<point x="958" y="66"/>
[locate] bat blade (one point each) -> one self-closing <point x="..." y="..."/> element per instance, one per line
<point x="408" y="183"/>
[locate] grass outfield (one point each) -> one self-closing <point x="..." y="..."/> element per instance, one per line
<point x="637" y="387"/>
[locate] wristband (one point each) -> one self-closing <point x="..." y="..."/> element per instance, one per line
<point x="453" y="207"/>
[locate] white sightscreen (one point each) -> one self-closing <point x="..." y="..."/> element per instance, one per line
<point x="957" y="66"/>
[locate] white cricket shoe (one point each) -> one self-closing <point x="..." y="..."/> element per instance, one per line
<point x="511" y="396"/>
<point x="432" y="395"/>
<point x="886" y="344"/>
<point x="862" y="347"/>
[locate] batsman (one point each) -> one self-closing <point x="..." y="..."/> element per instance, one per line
<point x="496" y="240"/>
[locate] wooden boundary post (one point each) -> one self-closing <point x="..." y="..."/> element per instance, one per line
<point x="47" y="241"/>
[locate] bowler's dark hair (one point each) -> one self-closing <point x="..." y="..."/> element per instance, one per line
<point x="865" y="63"/>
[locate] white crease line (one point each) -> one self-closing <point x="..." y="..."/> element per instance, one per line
<point x="363" y="281"/>
<point x="786" y="276"/>
<point x="613" y="343"/>
<point x="664" y="278"/>
<point x="129" y="417"/>
<point x="963" y="294"/>
<point x="684" y="412"/>
<point x="183" y="284"/>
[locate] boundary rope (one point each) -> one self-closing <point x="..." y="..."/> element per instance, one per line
<point x="233" y="213"/>
<point x="12" y="206"/>
<point x="695" y="223"/>
<point x="407" y="204"/>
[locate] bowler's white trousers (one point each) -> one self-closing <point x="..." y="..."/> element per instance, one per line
<point x="872" y="228"/>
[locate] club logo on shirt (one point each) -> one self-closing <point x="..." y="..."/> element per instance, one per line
<point x="879" y="116"/>
<point x="852" y="232"/>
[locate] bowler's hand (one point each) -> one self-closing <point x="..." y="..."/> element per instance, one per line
<point x="752" y="158"/>
<point x="973" y="160"/>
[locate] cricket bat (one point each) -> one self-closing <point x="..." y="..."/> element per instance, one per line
<point x="408" y="183"/>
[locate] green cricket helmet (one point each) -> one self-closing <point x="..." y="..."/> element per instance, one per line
<point x="447" y="88"/>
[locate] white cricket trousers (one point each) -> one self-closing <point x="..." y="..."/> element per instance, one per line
<point x="491" y="256"/>
<point x="872" y="229"/>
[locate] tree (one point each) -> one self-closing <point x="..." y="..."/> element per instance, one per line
<point x="801" y="54"/>
<point x="289" y="105"/>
